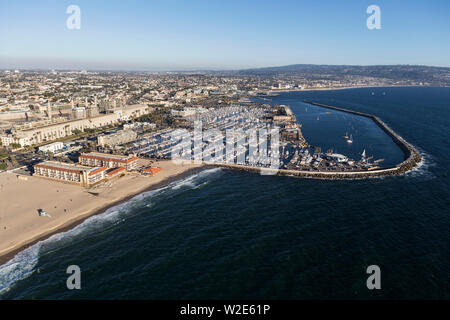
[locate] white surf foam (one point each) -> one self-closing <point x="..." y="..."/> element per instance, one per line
<point x="23" y="264"/>
<point x="423" y="168"/>
<point x="196" y="179"/>
<point x="20" y="267"/>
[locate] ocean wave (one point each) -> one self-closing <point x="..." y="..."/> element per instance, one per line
<point x="24" y="263"/>
<point x="195" y="180"/>
<point x="20" y="267"/>
<point x="422" y="170"/>
<point x="185" y="183"/>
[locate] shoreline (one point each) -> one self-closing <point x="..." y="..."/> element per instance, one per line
<point x="355" y="87"/>
<point x="278" y="91"/>
<point x="68" y="225"/>
<point x="119" y="194"/>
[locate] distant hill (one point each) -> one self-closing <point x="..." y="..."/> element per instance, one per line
<point x="434" y="75"/>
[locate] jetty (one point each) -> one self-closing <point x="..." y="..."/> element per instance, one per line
<point x="412" y="157"/>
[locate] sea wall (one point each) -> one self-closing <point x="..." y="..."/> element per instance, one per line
<point x="411" y="157"/>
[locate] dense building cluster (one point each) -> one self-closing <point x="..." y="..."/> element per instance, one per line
<point x="62" y="113"/>
<point x="92" y="168"/>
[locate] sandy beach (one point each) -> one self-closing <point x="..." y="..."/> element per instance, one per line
<point x="68" y="205"/>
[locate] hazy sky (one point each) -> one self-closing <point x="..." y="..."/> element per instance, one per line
<point x="221" y="34"/>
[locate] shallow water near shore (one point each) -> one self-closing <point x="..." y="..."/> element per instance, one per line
<point x="231" y="234"/>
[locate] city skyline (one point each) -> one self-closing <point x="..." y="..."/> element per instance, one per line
<point x="200" y="35"/>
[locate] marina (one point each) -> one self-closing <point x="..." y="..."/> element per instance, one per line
<point x="241" y="137"/>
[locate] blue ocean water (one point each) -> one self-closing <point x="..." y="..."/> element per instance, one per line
<point x="230" y="234"/>
<point x="329" y="129"/>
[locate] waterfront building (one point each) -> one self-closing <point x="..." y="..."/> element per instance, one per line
<point x="290" y="134"/>
<point x="37" y="132"/>
<point x="139" y="125"/>
<point x="71" y="173"/>
<point x="187" y="111"/>
<point x="114" y="172"/>
<point x="52" y="147"/>
<point x="151" y="171"/>
<point x="121" y="137"/>
<point x="94" y="159"/>
<point x="282" y="118"/>
<point x="337" y="157"/>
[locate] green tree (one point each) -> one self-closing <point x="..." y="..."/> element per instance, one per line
<point x="15" y="145"/>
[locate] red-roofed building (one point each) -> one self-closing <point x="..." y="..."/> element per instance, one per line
<point x="95" y="159"/>
<point x="71" y="173"/>
<point x="151" y="171"/>
<point x="114" y="172"/>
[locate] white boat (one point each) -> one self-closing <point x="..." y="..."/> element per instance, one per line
<point x="350" y="140"/>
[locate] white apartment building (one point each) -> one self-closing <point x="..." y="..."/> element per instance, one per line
<point x="96" y="159"/>
<point x="121" y="137"/>
<point x="35" y="135"/>
<point x="52" y="147"/>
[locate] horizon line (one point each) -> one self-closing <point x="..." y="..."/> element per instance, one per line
<point x="205" y="69"/>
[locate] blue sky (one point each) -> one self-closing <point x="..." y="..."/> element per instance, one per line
<point x="225" y="34"/>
